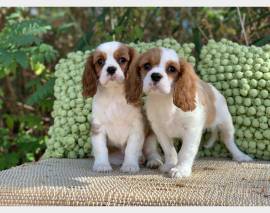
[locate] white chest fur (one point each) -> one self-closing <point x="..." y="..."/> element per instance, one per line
<point x="112" y="113"/>
<point x="166" y="117"/>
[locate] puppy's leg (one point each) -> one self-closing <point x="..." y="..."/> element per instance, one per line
<point x="211" y="141"/>
<point x="100" y="152"/>
<point x="227" y="136"/>
<point x="168" y="148"/>
<point x="150" y="150"/>
<point x="186" y="156"/>
<point x="133" y="151"/>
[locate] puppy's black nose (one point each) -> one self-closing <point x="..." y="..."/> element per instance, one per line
<point x="156" y="77"/>
<point x="111" y="70"/>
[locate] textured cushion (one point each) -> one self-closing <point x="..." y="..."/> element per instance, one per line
<point x="220" y="182"/>
<point x="242" y="74"/>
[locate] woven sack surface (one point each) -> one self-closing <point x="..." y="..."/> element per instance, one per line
<point x="71" y="182"/>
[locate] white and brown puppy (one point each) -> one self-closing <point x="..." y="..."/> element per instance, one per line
<point x="115" y="123"/>
<point x="180" y="105"/>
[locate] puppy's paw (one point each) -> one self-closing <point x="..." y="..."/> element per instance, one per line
<point x="242" y="158"/>
<point x="180" y="172"/>
<point x="154" y="163"/>
<point x="166" y="167"/>
<point x="130" y="168"/>
<point x="102" y="167"/>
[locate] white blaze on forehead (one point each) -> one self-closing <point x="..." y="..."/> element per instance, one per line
<point x="109" y="47"/>
<point x="164" y="84"/>
<point x="168" y="55"/>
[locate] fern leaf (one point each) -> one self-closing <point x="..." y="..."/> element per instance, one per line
<point x="42" y="92"/>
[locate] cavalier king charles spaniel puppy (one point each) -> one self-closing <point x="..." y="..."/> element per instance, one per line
<point x="180" y="105"/>
<point x="115" y="123"/>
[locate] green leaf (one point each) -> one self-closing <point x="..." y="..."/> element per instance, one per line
<point x="25" y="40"/>
<point x="263" y="41"/>
<point x="197" y="39"/>
<point x="42" y="92"/>
<point x="6" y="58"/>
<point x="12" y="159"/>
<point x="9" y="121"/>
<point x="21" y="58"/>
<point x="30" y="157"/>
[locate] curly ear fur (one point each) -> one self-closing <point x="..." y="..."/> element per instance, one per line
<point x="133" y="82"/>
<point x="89" y="79"/>
<point x="185" y="87"/>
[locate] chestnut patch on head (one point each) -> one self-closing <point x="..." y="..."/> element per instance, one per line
<point x="123" y="58"/>
<point x="99" y="60"/>
<point x="149" y="59"/>
<point x="91" y="73"/>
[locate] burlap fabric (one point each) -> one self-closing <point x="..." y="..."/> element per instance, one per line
<point x="71" y="182"/>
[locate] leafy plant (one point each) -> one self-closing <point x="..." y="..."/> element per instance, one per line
<point x="21" y="44"/>
<point x="22" y="148"/>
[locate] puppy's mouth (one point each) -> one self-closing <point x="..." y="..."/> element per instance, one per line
<point x="156" y="88"/>
<point x="114" y="78"/>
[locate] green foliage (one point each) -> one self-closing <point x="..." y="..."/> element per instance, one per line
<point x="22" y="47"/>
<point x="21" y="44"/>
<point x="16" y="150"/>
<point x="42" y="92"/>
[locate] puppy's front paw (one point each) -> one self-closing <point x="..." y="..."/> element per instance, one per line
<point x="166" y="167"/>
<point x="242" y="158"/>
<point x="130" y="168"/>
<point x="102" y="167"/>
<point x="154" y="163"/>
<point x="180" y="172"/>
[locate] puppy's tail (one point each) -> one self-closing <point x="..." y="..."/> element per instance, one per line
<point x="213" y="138"/>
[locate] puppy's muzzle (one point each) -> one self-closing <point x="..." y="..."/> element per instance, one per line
<point x="111" y="70"/>
<point x="156" y="77"/>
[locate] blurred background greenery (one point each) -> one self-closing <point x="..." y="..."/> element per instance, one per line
<point x="32" y="40"/>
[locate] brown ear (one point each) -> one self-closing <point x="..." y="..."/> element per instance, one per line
<point x="133" y="82"/>
<point x="133" y="55"/>
<point x="185" y="87"/>
<point x="89" y="79"/>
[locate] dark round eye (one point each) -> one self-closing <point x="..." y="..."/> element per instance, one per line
<point x="171" y="69"/>
<point x="100" y="62"/>
<point x="147" y="66"/>
<point x="122" y="60"/>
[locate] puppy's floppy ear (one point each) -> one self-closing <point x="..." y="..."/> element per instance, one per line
<point x="133" y="82"/>
<point x="89" y="78"/>
<point x="185" y="87"/>
<point x="133" y="55"/>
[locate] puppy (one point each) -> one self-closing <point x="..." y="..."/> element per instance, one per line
<point x="115" y="123"/>
<point x="180" y="105"/>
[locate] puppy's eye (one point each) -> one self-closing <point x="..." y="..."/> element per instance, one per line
<point x="122" y="60"/>
<point x="101" y="62"/>
<point x="171" y="69"/>
<point x="147" y="66"/>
